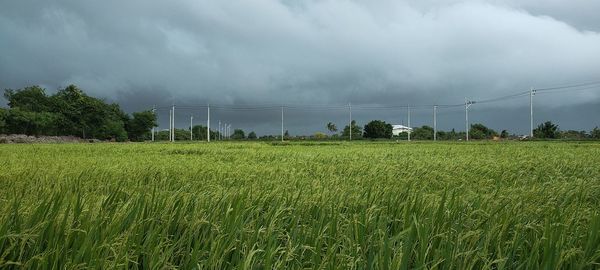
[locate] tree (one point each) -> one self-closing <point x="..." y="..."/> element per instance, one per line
<point x="320" y="136"/>
<point x="422" y="133"/>
<point x="442" y="135"/>
<point x="356" y="130"/>
<point x="20" y="121"/>
<point x="3" y="115"/>
<point x="377" y="129"/>
<point x="32" y="98"/>
<point x="595" y="133"/>
<point x="140" y="124"/>
<point x="479" y="131"/>
<point x="238" y="134"/>
<point x="547" y="130"/>
<point x="252" y="135"/>
<point x="331" y="127"/>
<point x="68" y="112"/>
<point x="286" y="134"/>
<point x="199" y="132"/>
<point x="86" y="116"/>
<point x="504" y="134"/>
<point x="573" y="135"/>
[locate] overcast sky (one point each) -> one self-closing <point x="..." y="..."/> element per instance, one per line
<point x="193" y="52"/>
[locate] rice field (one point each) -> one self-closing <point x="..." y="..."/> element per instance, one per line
<point x="527" y="205"/>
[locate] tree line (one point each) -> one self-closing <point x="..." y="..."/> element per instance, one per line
<point x="71" y="112"/>
<point x="378" y="129"/>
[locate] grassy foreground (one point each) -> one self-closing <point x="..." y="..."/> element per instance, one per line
<point x="529" y="205"/>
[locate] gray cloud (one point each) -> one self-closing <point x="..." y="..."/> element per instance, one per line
<point x="310" y="52"/>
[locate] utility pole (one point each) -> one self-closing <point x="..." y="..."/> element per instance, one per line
<point x="350" y="129"/>
<point x="173" y="125"/>
<point x="434" y="123"/>
<point x="467" y="105"/>
<point x="170" y="125"/>
<point x="409" y="130"/>
<point x="208" y="123"/>
<point x="281" y="123"/>
<point x="531" y="94"/>
<point x="153" y="113"/>
<point x="191" y="127"/>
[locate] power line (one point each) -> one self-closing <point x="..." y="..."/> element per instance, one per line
<point x="230" y="107"/>
<point x="574" y="89"/>
<point x="568" y="86"/>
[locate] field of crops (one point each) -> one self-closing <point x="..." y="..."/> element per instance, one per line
<point x="529" y="205"/>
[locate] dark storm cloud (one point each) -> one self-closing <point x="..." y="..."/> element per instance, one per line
<point x="140" y="53"/>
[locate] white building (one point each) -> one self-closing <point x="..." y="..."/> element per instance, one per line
<point x="397" y="129"/>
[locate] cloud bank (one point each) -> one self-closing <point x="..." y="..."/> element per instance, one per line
<point x="140" y="53"/>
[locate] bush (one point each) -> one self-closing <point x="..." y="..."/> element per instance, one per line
<point x="378" y="129"/>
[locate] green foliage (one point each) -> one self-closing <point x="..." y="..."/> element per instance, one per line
<point x="320" y="136"/>
<point x="238" y="134"/>
<point x="300" y="206"/>
<point x="70" y="112"/>
<point x="356" y="131"/>
<point x="377" y="129"/>
<point x="20" y="121"/>
<point x="422" y="133"/>
<point x="252" y="135"/>
<point x="479" y="131"/>
<point x="3" y="116"/>
<point x="140" y="125"/>
<point x="504" y="134"/>
<point x="32" y="98"/>
<point x="573" y="135"/>
<point x="595" y="133"/>
<point x="332" y="127"/>
<point x="547" y="130"/>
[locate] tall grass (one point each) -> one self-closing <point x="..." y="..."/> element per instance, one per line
<point x="291" y="206"/>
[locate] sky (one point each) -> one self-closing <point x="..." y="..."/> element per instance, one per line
<point x="313" y="54"/>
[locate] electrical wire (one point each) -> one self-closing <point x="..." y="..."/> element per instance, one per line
<point x="230" y="107"/>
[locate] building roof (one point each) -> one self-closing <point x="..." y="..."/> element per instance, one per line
<point x="400" y="127"/>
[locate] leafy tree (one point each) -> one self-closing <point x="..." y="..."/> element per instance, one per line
<point x="442" y="135"/>
<point x="479" y="131"/>
<point x="356" y="130"/>
<point x="3" y="115"/>
<point x="68" y="112"/>
<point x="20" y="121"/>
<point x="86" y="116"/>
<point x="378" y="129"/>
<point x="547" y="130"/>
<point x="573" y="135"/>
<point x="320" y="136"/>
<point x="140" y="125"/>
<point x="116" y="130"/>
<point x="238" y="134"/>
<point x="286" y="134"/>
<point x="252" y="135"/>
<point x="504" y="134"/>
<point x="595" y="133"/>
<point x="422" y="133"/>
<point x="32" y="98"/>
<point x="331" y="127"/>
<point x="199" y="132"/>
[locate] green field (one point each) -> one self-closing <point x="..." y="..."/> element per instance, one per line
<point x="528" y="205"/>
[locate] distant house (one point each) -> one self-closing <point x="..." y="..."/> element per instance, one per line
<point x="397" y="129"/>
